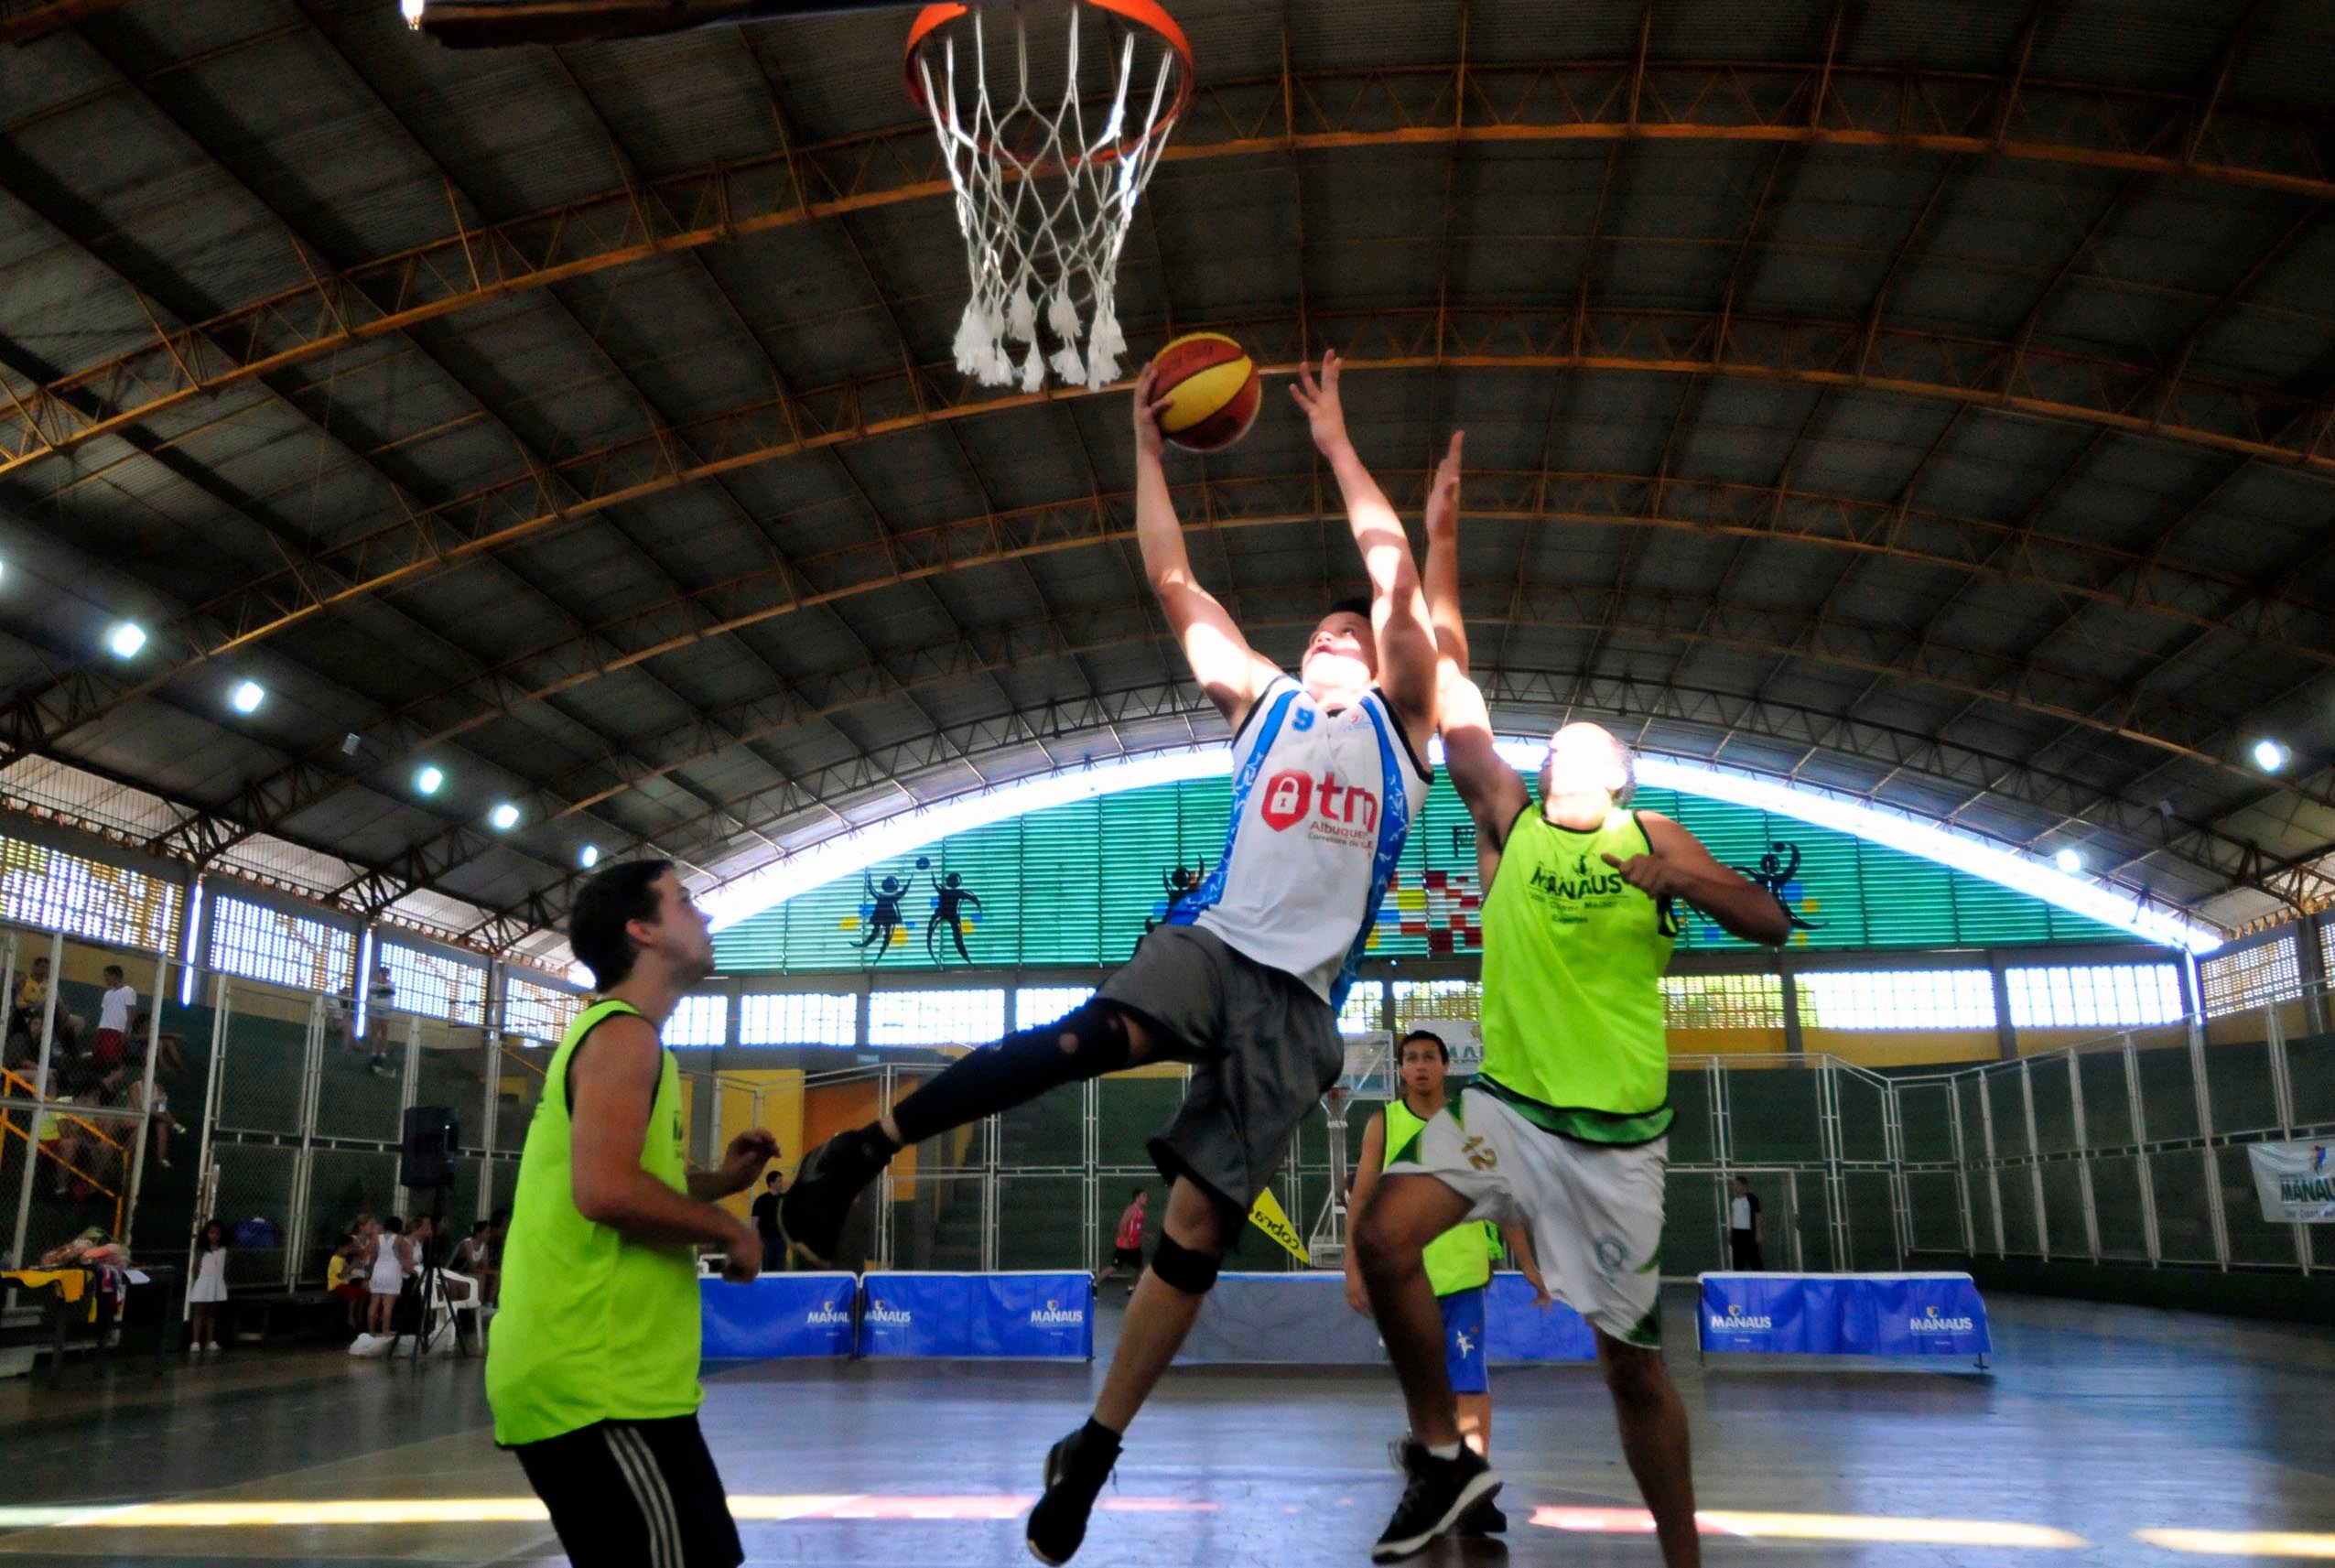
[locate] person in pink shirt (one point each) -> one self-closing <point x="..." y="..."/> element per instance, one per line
<point x="1127" y="1251"/>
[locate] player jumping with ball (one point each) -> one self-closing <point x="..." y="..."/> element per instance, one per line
<point x="1244" y="979"/>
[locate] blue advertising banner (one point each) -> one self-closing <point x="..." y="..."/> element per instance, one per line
<point x="1844" y="1314"/>
<point x="1516" y="1330"/>
<point x="778" y="1314"/>
<point x="1034" y="1316"/>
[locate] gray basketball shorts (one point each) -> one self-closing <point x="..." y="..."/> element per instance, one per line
<point x="1263" y="1050"/>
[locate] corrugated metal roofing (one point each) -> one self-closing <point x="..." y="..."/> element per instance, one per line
<point x="2008" y="470"/>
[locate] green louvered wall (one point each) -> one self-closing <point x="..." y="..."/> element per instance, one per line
<point x="1074" y="885"/>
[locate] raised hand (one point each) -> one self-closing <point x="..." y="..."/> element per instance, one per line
<point x="1148" y="405"/>
<point x="1324" y="410"/>
<point x="1442" y="495"/>
<point x="1649" y="874"/>
<point x="741" y="1166"/>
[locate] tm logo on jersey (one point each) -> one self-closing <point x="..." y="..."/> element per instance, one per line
<point x="1343" y="813"/>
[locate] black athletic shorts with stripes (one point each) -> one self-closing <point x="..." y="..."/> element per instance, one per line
<point x="634" y="1493"/>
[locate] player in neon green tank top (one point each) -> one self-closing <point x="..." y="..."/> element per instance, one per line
<point x="593" y="1366"/>
<point x="1564" y="1129"/>
<point x="1458" y="1262"/>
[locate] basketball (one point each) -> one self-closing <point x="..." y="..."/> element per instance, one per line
<point x="1214" y="389"/>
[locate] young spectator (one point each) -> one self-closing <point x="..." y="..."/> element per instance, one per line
<point x="345" y="1276"/>
<point x="380" y="997"/>
<point x="113" y="1012"/>
<point x="209" y="1288"/>
<point x="392" y="1260"/>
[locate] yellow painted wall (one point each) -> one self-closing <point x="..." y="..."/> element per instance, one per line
<point x="1903" y="1048"/>
<point x="1725" y="1041"/>
<point x="781" y="1091"/>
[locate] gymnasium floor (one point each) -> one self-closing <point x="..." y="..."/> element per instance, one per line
<point x="2098" y="1423"/>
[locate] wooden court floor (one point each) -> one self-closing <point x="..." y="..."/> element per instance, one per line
<point x="2104" y="1435"/>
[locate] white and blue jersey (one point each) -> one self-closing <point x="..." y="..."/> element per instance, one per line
<point x="1321" y="804"/>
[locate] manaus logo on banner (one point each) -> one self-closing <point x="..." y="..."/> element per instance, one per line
<point x="1737" y="1319"/>
<point x="894" y="1317"/>
<point x="1932" y="1321"/>
<point x="1266" y="1214"/>
<point x="1053" y="1314"/>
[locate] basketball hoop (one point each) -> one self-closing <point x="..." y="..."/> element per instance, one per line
<point x="1043" y="205"/>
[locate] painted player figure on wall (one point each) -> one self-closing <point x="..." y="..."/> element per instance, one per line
<point x="1564" y="1131"/>
<point x="950" y="896"/>
<point x="1245" y="979"/>
<point x="883" y="916"/>
<point x="1179" y="884"/>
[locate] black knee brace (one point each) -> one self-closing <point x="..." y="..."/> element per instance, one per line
<point x="1193" y="1274"/>
<point x="1086" y="1042"/>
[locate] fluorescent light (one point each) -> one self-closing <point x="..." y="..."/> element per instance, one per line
<point x="2069" y="860"/>
<point x="2269" y="755"/>
<point x="429" y="779"/>
<point x="247" y="697"/>
<point x="126" y="640"/>
<point x="413" y="12"/>
<point x="588" y="857"/>
<point x="505" y="817"/>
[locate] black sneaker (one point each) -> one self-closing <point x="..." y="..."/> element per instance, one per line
<point x="811" y="1215"/>
<point x="1441" y="1492"/>
<point x="1484" y="1518"/>
<point x="1077" y="1468"/>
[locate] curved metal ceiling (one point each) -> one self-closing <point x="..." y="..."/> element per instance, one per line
<point x="1942" y="414"/>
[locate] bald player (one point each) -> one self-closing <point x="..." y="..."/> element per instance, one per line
<point x="1564" y="1131"/>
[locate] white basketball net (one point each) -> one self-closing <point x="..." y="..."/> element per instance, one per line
<point x="1043" y="205"/>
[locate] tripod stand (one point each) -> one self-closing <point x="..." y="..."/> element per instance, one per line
<point x="431" y="1278"/>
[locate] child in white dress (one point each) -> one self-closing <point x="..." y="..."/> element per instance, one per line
<point x="208" y="1287"/>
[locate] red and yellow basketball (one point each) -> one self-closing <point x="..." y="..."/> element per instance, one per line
<point x="1214" y="391"/>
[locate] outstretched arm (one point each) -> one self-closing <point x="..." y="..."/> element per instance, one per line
<point x="1493" y="792"/>
<point x="1227" y="669"/>
<point x="1441" y="570"/>
<point x="1679" y="867"/>
<point x="1398" y="607"/>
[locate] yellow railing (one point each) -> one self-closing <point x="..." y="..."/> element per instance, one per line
<point x="24" y="1087"/>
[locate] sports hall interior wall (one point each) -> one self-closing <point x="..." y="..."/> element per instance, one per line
<point x="1036" y="1165"/>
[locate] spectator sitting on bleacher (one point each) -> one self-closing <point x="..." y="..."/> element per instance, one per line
<point x="32" y="996"/>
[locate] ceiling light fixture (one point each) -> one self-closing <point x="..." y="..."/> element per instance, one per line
<point x="2269" y="755"/>
<point x="505" y="817"/>
<point x="126" y="640"/>
<point x="429" y="779"/>
<point x="247" y="697"/>
<point x="588" y="857"/>
<point x="2069" y="860"/>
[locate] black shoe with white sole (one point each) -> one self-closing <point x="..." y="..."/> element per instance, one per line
<point x="812" y="1212"/>
<point x="1484" y="1518"/>
<point x="1077" y="1468"/>
<point x="1441" y="1492"/>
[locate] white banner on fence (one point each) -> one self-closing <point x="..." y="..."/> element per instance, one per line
<point x="2294" y="1181"/>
